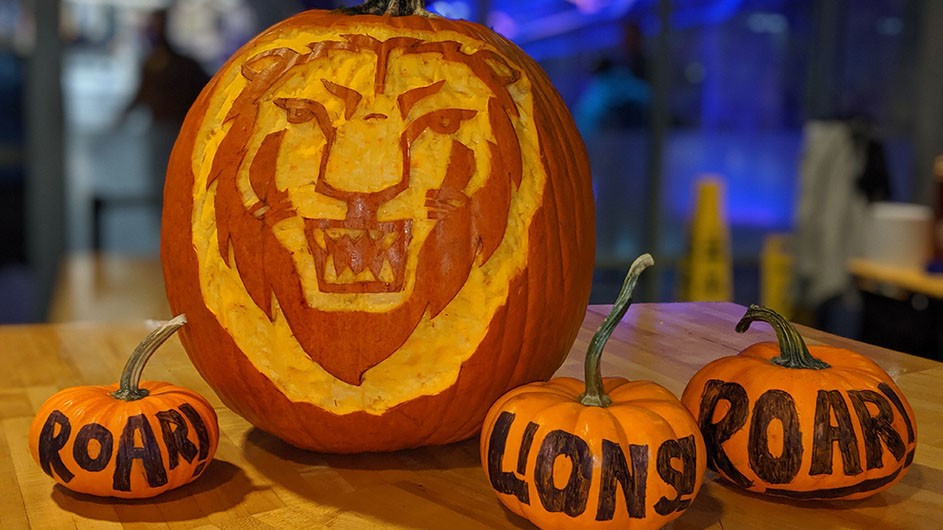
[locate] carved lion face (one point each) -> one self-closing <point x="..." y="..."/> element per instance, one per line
<point x="365" y="183"/>
<point x="370" y="163"/>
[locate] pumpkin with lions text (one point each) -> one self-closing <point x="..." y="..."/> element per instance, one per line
<point x="377" y="224"/>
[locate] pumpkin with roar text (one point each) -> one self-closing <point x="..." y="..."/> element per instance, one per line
<point x="803" y="422"/>
<point x="377" y="220"/>
<point x="132" y="440"/>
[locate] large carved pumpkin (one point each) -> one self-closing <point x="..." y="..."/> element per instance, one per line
<point x="377" y="225"/>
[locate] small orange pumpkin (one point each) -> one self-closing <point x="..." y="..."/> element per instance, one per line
<point x="790" y="420"/>
<point x="378" y="221"/>
<point x="607" y="453"/>
<point x="131" y="440"/>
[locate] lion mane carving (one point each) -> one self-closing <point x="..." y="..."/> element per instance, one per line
<point x="469" y="225"/>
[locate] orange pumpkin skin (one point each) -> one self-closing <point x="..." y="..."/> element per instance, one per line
<point x="484" y="289"/>
<point x="645" y="429"/>
<point x="604" y="453"/>
<point x="77" y="462"/>
<point x="92" y="441"/>
<point x="841" y="431"/>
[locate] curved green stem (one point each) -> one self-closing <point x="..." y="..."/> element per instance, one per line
<point x="595" y="396"/>
<point x="393" y="8"/>
<point x="128" y="389"/>
<point x="793" y="352"/>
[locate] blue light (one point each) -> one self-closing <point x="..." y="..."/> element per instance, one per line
<point x="454" y="9"/>
<point x="890" y="26"/>
<point x="767" y="23"/>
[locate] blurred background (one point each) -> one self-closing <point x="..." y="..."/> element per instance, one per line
<point x="744" y="143"/>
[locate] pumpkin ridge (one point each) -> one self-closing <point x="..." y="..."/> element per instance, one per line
<point x="624" y="394"/>
<point x="539" y="391"/>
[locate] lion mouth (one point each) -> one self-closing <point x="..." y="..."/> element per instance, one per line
<point x="361" y="259"/>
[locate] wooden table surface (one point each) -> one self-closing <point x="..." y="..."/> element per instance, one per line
<point x="106" y="287"/>
<point x="258" y="482"/>
<point x="875" y="276"/>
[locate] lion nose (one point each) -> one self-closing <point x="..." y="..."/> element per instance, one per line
<point x="365" y="157"/>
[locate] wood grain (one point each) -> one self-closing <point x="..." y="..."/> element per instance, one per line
<point x="874" y="276"/>
<point x="96" y="287"/>
<point x="258" y="482"/>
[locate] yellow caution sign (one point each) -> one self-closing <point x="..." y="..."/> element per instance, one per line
<point x="776" y="274"/>
<point x="707" y="270"/>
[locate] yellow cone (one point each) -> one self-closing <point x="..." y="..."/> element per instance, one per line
<point x="707" y="271"/>
<point x="776" y="263"/>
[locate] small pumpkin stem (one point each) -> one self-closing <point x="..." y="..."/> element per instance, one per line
<point x="595" y="396"/>
<point x="793" y="352"/>
<point x="393" y="8"/>
<point x="128" y="389"/>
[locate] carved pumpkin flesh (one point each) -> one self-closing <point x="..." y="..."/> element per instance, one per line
<point x="363" y="219"/>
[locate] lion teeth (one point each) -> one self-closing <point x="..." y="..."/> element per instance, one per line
<point x="356" y="255"/>
<point x="360" y="259"/>
<point x="347" y="275"/>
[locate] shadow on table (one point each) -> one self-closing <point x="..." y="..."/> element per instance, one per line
<point x="417" y="488"/>
<point x="707" y="509"/>
<point x="227" y="483"/>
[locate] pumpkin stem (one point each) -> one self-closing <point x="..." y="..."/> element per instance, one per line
<point x="393" y="8"/>
<point x="128" y="389"/>
<point x="793" y="352"/>
<point x="595" y="396"/>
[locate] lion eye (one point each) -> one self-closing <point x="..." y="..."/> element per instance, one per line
<point x="445" y="121"/>
<point x="297" y="110"/>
